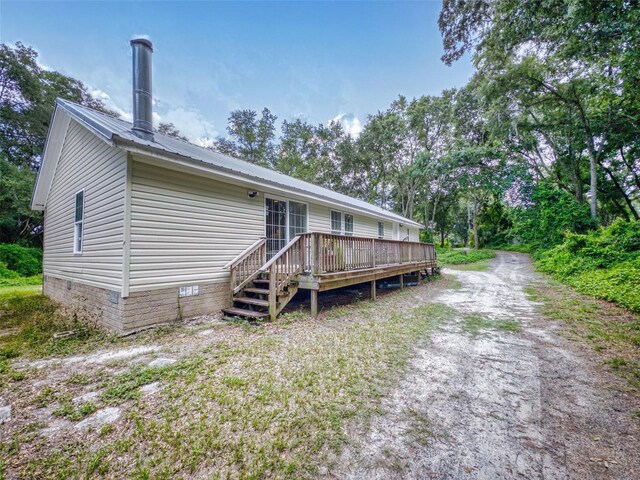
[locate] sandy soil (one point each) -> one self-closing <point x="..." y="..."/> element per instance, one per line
<point x="499" y="404"/>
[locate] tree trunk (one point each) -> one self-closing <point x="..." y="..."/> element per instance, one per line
<point x="476" y="246"/>
<point x="593" y="189"/>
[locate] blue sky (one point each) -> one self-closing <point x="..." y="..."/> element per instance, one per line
<point x="313" y="60"/>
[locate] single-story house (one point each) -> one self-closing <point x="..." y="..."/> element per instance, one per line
<point x="142" y="228"/>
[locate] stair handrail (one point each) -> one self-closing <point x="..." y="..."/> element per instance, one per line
<point x="246" y="252"/>
<point x="246" y="267"/>
<point x="277" y="256"/>
<point x="282" y="268"/>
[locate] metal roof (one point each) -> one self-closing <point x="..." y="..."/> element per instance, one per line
<point x="113" y="129"/>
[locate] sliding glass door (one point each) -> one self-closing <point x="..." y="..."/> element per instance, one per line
<point x="284" y="220"/>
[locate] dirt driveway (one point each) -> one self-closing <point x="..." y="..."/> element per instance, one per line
<point x="499" y="393"/>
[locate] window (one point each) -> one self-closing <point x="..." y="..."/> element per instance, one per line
<point x="78" y="230"/>
<point x="297" y="218"/>
<point x="276" y="225"/>
<point x="336" y="222"/>
<point x="348" y="224"/>
<point x="380" y="229"/>
<point x="283" y="221"/>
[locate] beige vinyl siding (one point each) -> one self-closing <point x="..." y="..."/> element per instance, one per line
<point x="185" y="228"/>
<point x="320" y="221"/>
<point x="86" y="163"/>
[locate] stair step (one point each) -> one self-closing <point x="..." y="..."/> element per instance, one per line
<point x="241" y="312"/>
<point x="252" y="301"/>
<point x="262" y="291"/>
<point x="263" y="281"/>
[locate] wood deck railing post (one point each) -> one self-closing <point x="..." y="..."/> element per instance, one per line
<point x="273" y="297"/>
<point x="314" y="303"/>
<point x="373" y="253"/>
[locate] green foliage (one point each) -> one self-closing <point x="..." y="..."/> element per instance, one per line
<point x="32" y="320"/>
<point x="21" y="260"/>
<point x="551" y="214"/>
<point x="463" y="257"/>
<point x="604" y="263"/>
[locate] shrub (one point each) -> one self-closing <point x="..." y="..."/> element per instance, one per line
<point x="461" y="257"/>
<point x="25" y="261"/>
<point x="604" y="263"/>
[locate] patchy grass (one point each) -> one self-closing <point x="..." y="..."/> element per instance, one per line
<point x="29" y="321"/>
<point x="474" y="324"/>
<point x="269" y="402"/>
<point x="463" y="257"/>
<point x="479" y="266"/>
<point x="612" y="331"/>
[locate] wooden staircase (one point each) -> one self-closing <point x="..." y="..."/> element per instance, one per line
<point x="262" y="292"/>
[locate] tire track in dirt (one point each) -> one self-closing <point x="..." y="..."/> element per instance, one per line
<point x="484" y="401"/>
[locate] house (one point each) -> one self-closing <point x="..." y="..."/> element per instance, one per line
<point x="141" y="228"/>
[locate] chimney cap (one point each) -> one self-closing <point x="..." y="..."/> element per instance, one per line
<point x="142" y="39"/>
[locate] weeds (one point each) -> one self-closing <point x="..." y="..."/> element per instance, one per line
<point x="474" y="324"/>
<point x="612" y="331"/>
<point x="271" y="404"/>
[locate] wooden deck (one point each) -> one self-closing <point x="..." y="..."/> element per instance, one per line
<point x="319" y="262"/>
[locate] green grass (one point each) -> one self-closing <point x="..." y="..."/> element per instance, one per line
<point x="28" y="322"/>
<point x="613" y="332"/>
<point x="269" y="402"/>
<point x="463" y="257"/>
<point x="474" y="324"/>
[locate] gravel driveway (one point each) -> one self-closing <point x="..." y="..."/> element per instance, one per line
<point x="499" y="393"/>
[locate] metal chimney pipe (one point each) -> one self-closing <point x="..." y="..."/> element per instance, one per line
<point x="142" y="48"/>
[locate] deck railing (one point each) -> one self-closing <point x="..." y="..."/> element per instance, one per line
<point x="283" y="267"/>
<point x="246" y="266"/>
<point x="327" y="253"/>
<point x="321" y="253"/>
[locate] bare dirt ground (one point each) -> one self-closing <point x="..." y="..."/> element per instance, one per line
<point x="499" y="393"/>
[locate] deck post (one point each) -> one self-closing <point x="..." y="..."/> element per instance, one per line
<point x="273" y="297"/>
<point x="314" y="303"/>
<point x="401" y="278"/>
<point x="232" y="281"/>
<point x="373" y="289"/>
<point x="373" y="253"/>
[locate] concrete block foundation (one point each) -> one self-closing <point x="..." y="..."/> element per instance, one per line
<point x="138" y="311"/>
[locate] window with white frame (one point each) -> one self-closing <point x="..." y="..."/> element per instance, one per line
<point x="297" y="218"/>
<point x="336" y="222"/>
<point x="380" y="229"/>
<point x="348" y="224"/>
<point x="78" y="226"/>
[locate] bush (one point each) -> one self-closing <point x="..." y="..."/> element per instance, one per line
<point x="462" y="257"/>
<point x="552" y="213"/>
<point x="22" y="260"/>
<point x="604" y="263"/>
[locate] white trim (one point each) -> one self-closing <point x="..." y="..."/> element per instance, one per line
<point x="126" y="246"/>
<point x="343" y="223"/>
<point x="341" y="231"/>
<point x="353" y="223"/>
<point x="78" y="251"/>
<point x="287" y="200"/>
<point x="53" y="148"/>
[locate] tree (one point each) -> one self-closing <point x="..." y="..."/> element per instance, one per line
<point x="171" y="130"/>
<point x="27" y="97"/>
<point x="254" y="137"/>
<point x="581" y="57"/>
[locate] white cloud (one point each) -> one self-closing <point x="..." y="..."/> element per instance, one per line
<point x="350" y="123"/>
<point x="190" y="122"/>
